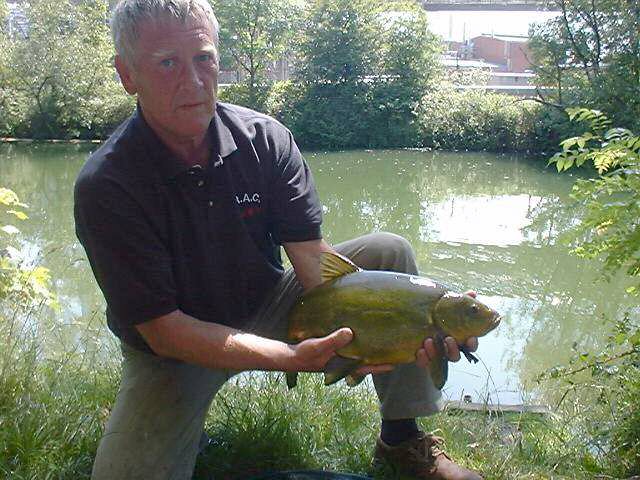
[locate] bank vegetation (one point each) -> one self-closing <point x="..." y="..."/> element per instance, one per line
<point x="366" y="74"/>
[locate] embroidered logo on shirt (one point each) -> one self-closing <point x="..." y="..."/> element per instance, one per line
<point x="248" y="198"/>
<point x="250" y="203"/>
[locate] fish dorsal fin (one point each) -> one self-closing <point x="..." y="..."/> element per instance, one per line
<point x="334" y="265"/>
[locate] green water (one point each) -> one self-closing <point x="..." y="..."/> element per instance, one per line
<point x="477" y="221"/>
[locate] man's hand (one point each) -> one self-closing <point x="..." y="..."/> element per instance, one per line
<point x="313" y="354"/>
<point x="429" y="352"/>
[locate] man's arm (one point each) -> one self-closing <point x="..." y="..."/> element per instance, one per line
<point x="180" y="336"/>
<point x="305" y="258"/>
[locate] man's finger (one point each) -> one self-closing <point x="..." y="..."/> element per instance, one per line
<point x="451" y="349"/>
<point x="422" y="360"/>
<point x="472" y="344"/>
<point x="430" y="349"/>
<point x="471" y="293"/>
<point x="339" y="338"/>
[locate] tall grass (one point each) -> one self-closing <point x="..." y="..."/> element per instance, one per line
<point x="258" y="426"/>
<point x="52" y="409"/>
<point x="52" y="413"/>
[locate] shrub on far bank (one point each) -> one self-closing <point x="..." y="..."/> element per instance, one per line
<point x="240" y="94"/>
<point x="444" y="119"/>
<point x="478" y="120"/>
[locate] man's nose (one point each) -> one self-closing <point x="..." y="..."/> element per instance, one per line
<point x="191" y="76"/>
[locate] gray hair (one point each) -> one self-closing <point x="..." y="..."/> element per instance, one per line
<point x="128" y="15"/>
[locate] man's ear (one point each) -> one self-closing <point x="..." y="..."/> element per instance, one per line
<point x="126" y="75"/>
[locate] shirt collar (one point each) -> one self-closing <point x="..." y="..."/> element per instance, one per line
<point x="168" y="164"/>
<point x="223" y="139"/>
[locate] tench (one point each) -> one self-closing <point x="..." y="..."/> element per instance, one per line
<point x="390" y="314"/>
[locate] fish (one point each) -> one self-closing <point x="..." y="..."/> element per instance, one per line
<point x="390" y="314"/>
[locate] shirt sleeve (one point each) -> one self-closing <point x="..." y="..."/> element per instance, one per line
<point x="297" y="211"/>
<point x="130" y="262"/>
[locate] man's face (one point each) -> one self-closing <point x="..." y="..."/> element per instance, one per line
<point x="174" y="73"/>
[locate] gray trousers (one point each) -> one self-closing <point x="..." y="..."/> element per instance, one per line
<point x="158" y="418"/>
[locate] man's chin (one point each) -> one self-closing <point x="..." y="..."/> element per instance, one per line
<point x="195" y="125"/>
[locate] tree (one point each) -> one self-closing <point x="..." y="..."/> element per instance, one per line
<point x="335" y="62"/>
<point x="5" y="96"/>
<point x="363" y="66"/>
<point x="63" y="68"/>
<point x="409" y="66"/>
<point x="590" y="55"/>
<point x="254" y="35"/>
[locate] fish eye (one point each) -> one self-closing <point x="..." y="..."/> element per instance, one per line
<point x="474" y="308"/>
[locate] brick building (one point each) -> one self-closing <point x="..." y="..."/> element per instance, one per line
<point x="510" y="52"/>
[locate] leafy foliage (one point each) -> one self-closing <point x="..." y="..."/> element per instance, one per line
<point x="590" y="56"/>
<point x="363" y="67"/>
<point x="475" y="120"/>
<point x="254" y="35"/>
<point x="611" y="226"/>
<point x="61" y="71"/>
<point x="21" y="285"/>
<point x="600" y="390"/>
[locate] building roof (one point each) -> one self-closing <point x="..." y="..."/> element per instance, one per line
<point x="452" y="62"/>
<point x="505" y="38"/>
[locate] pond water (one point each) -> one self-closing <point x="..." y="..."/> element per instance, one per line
<point x="476" y="221"/>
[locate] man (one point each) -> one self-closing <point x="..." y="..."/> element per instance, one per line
<point x="182" y="213"/>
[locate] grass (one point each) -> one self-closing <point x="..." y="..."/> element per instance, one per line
<point x="52" y="413"/>
<point x="258" y="426"/>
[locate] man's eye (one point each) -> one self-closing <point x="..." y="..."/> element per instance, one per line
<point x="205" y="57"/>
<point x="167" y="62"/>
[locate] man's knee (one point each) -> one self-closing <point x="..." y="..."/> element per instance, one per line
<point x="385" y="251"/>
<point x="386" y="242"/>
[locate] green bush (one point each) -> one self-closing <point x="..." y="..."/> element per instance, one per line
<point x="58" y="81"/>
<point x="242" y="94"/>
<point x="600" y="391"/>
<point x="478" y="120"/>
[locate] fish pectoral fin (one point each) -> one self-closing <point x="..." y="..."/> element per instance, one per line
<point x="354" y="380"/>
<point x="333" y="265"/>
<point x="439" y="371"/>
<point x="292" y="379"/>
<point x="471" y="358"/>
<point x="339" y="367"/>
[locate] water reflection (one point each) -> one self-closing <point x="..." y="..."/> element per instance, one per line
<point x="477" y="221"/>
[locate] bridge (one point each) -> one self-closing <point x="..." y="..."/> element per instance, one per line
<point x="487" y="5"/>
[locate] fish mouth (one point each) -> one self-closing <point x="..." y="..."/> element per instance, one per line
<point x="495" y="321"/>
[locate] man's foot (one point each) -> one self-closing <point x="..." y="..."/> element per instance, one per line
<point x="421" y="457"/>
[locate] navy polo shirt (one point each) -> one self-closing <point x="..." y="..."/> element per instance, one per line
<point x="161" y="235"/>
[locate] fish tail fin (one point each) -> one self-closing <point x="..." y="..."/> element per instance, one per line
<point x="339" y="367"/>
<point x="292" y="379"/>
